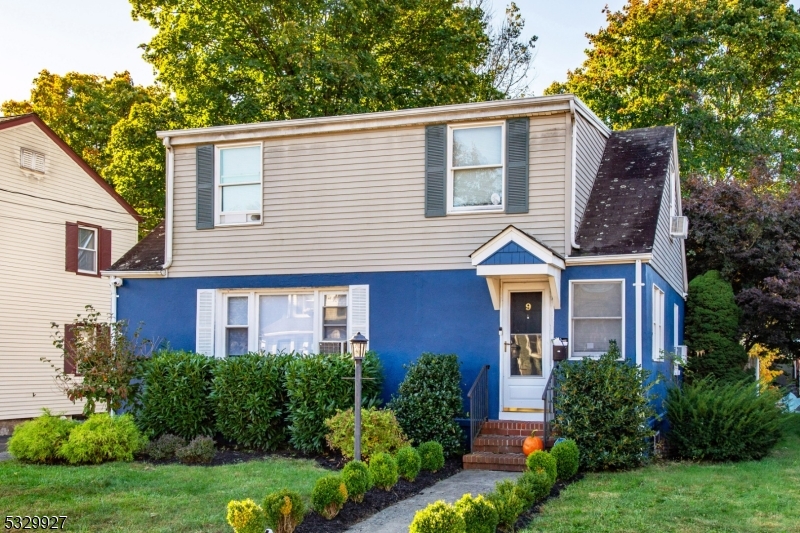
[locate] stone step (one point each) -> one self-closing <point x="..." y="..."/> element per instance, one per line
<point x="498" y="444"/>
<point x="507" y="462"/>
<point x="511" y="428"/>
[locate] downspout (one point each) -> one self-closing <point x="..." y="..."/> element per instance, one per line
<point x="169" y="200"/>
<point x="114" y="282"/>
<point x="572" y="229"/>
<point x="638" y="286"/>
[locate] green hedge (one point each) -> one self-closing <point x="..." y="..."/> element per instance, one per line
<point x="38" y="440"/>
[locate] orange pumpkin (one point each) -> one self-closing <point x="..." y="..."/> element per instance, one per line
<point x="532" y="443"/>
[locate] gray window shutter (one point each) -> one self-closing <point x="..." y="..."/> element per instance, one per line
<point x="517" y="165"/>
<point x="205" y="187"/>
<point x="435" y="170"/>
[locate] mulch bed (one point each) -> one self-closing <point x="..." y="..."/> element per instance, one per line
<point x="527" y="516"/>
<point x="228" y="456"/>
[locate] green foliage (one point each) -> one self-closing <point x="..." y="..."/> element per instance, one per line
<point x="722" y="421"/>
<point x="316" y="391"/>
<point x="409" y="463"/>
<point x="103" y="438"/>
<point x="380" y="432"/>
<point x="38" y="440"/>
<point x="245" y="516"/>
<point x="431" y="455"/>
<point x="357" y="478"/>
<point x="479" y="514"/>
<point x="284" y="510"/>
<point x="568" y="458"/>
<point x="249" y="400"/>
<point x="508" y="500"/>
<point x="541" y="460"/>
<point x="383" y="469"/>
<point x="199" y="451"/>
<point x="176" y="397"/>
<point x="438" y="517"/>
<point x="534" y="486"/>
<point x="712" y="330"/>
<point x="164" y="447"/>
<point x="328" y="496"/>
<point x="429" y="400"/>
<point x="604" y="405"/>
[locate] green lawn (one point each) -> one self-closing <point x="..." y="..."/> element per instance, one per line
<point x="686" y="497"/>
<point x="139" y="497"/>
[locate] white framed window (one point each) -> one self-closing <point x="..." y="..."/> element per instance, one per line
<point x="659" y="310"/>
<point x="676" y="315"/>
<point x="238" y="180"/>
<point x="597" y="316"/>
<point x="87" y="250"/>
<point x="476" y="167"/>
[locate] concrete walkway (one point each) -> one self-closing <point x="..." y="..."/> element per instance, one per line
<point x="398" y="517"/>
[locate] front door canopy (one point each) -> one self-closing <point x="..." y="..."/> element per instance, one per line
<point x="513" y="255"/>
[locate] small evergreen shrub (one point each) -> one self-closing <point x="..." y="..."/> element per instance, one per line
<point x="534" y="486"/>
<point x="541" y="460"/>
<point x="721" y="421"/>
<point x="568" y="458"/>
<point x="479" y="514"/>
<point x="509" y="502"/>
<point x="198" y="452"/>
<point x="284" y="511"/>
<point x="432" y="456"/>
<point x="103" y="438"/>
<point x="380" y="432"/>
<point x="164" y="447"/>
<point x="408" y="463"/>
<point x="328" y="496"/>
<point x="38" y="440"/>
<point x="246" y="516"/>
<point x="357" y="479"/>
<point x="383" y="469"/>
<point x="438" y="517"/>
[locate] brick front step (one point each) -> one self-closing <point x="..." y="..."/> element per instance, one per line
<point x="498" y="444"/>
<point x="511" y="428"/>
<point x="507" y="462"/>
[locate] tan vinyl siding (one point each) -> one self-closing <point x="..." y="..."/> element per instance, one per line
<point x="34" y="286"/>
<point x="354" y="201"/>
<point x="590" y="144"/>
<point x="668" y="253"/>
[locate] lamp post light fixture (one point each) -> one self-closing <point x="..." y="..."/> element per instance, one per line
<point x="359" y="346"/>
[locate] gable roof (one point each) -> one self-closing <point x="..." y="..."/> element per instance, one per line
<point x="622" y="212"/>
<point x="146" y="256"/>
<point x="18" y="120"/>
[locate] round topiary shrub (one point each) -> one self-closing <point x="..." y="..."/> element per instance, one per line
<point x="357" y="479"/>
<point x="568" y="458"/>
<point x="438" y="517"/>
<point x="103" y="438"/>
<point x="543" y="460"/>
<point x="408" y="463"/>
<point x="200" y="451"/>
<point x="164" y="447"/>
<point x="432" y="455"/>
<point x="328" y="496"/>
<point x="534" y="486"/>
<point x="507" y="499"/>
<point x="479" y="514"/>
<point x="383" y="469"/>
<point x="245" y="516"/>
<point x="284" y="510"/>
<point x="38" y="440"/>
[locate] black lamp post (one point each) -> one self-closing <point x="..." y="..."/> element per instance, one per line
<point x="359" y="346"/>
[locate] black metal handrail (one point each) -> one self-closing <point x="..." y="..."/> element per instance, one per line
<point x="549" y="397"/>
<point x="478" y="405"/>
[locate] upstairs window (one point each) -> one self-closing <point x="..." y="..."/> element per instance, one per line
<point x="476" y="170"/>
<point x="239" y="180"/>
<point x="597" y="317"/>
<point x="87" y="250"/>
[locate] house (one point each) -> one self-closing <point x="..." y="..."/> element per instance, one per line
<point x="60" y="225"/>
<point x="500" y="231"/>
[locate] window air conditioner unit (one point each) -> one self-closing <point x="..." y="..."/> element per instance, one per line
<point x="331" y="347"/>
<point x="679" y="227"/>
<point x="681" y="351"/>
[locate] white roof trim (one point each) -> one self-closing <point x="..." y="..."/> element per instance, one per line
<point x="618" y="259"/>
<point x="512" y="234"/>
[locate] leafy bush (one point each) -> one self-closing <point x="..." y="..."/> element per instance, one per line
<point x="432" y="456"/>
<point x="38" y="440"/>
<point x="176" y="393"/>
<point x="479" y="514"/>
<point x="316" y="390"/>
<point x="429" y="400"/>
<point x="357" y="479"/>
<point x="103" y="438"/>
<point x="534" y="486"/>
<point x="604" y="406"/>
<point x="438" y="517"/>
<point x="380" y="432"/>
<point x="541" y="460"/>
<point x="164" y="447"/>
<point x="245" y="516"/>
<point x="721" y="421"/>
<point x="249" y="399"/>
<point x="199" y="451"/>
<point x="568" y="458"/>
<point x="284" y="511"/>
<point x="409" y="463"/>
<point x="509" y="502"/>
<point x="383" y="469"/>
<point x="328" y="496"/>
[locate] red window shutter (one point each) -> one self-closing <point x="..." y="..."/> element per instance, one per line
<point x="69" y="348"/>
<point x="71" y="253"/>
<point x="104" y="262"/>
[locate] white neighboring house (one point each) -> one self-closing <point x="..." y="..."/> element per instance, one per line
<point x="60" y="225"/>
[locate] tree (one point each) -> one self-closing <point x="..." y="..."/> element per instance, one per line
<point x="727" y="74"/>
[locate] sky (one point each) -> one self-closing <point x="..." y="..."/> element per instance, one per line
<point x="100" y="37"/>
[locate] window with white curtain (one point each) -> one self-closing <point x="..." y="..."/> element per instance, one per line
<point x="476" y="168"/>
<point x="658" y="324"/>
<point x="597" y="317"/>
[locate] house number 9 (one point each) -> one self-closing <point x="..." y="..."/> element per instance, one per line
<point x="527" y="307"/>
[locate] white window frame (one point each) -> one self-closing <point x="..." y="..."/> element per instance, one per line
<point x="451" y="170"/>
<point x="571" y="337"/>
<point x="96" y="248"/>
<point x="218" y="187"/>
<point x="659" y="312"/>
<point x="676" y="317"/>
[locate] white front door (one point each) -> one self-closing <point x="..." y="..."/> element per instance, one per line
<point x="525" y="349"/>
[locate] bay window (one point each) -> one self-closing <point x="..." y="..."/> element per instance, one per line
<point x="597" y="310"/>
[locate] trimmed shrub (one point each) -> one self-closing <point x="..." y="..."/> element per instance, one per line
<point x="568" y="458"/>
<point x="721" y="421"/>
<point x="438" y="517"/>
<point x="199" y="451"/>
<point x="245" y="516"/>
<point x="328" y="496"/>
<point x="534" y="486"/>
<point x="432" y="456"/>
<point x="284" y="511"/>
<point x="103" y="438"/>
<point x="380" y="432"/>
<point x="357" y="479"/>
<point x="316" y="390"/>
<point x="408" y="463"/>
<point x="176" y="396"/>
<point x="164" y="447"/>
<point x="604" y="405"/>
<point x="429" y="400"/>
<point x="479" y="514"/>
<point x="249" y="399"/>
<point x="541" y="460"/>
<point x="383" y="469"/>
<point x="38" y="440"/>
<point x="509" y="502"/>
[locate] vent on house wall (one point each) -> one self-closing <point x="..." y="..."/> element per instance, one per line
<point x="31" y="160"/>
<point x="679" y="227"/>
